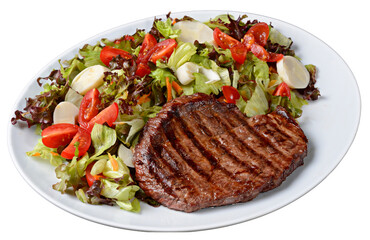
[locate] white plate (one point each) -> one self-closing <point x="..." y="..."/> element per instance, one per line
<point x="329" y="123"/>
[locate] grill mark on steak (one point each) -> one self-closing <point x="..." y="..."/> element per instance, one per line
<point x="190" y="133"/>
<point x="236" y="141"/>
<point x="181" y="146"/>
<point x="287" y="163"/>
<point x="257" y="177"/>
<point x="157" y="168"/>
<point x="279" y="162"/>
<point x="254" y="129"/>
<point x="202" y="127"/>
<point x="148" y="175"/>
<point x="273" y="138"/>
<point x="222" y="155"/>
<point x="270" y="168"/>
<point x="289" y="132"/>
<point x="185" y="171"/>
<point x="196" y="181"/>
<point x="203" y="153"/>
<point x="233" y="141"/>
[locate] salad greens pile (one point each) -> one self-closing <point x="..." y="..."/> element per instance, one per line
<point x="141" y="97"/>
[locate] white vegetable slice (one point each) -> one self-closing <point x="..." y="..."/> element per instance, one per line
<point x="73" y="97"/>
<point x="65" y="112"/>
<point x="89" y="78"/>
<point x="194" y="30"/>
<point x="185" y="72"/>
<point x="210" y="74"/>
<point x="293" y="72"/>
<point x="126" y="155"/>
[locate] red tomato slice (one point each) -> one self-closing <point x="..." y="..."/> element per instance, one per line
<point x="259" y="52"/>
<point x="231" y="94"/>
<point x="129" y="38"/>
<point x="84" y="139"/>
<point x="248" y="40"/>
<point x="260" y="31"/>
<point x="89" y="107"/>
<point x="283" y="90"/>
<point x="142" y="70"/>
<point x="92" y="178"/>
<point x="108" y="115"/>
<point x="58" y="134"/>
<point x="162" y="50"/>
<point x="274" y="57"/>
<point x="239" y="52"/>
<point x="148" y="43"/>
<point x="223" y="40"/>
<point x="107" y="53"/>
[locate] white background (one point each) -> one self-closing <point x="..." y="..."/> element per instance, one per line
<point x="35" y="32"/>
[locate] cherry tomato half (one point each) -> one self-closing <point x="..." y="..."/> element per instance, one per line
<point x="92" y="178"/>
<point x="148" y="43"/>
<point x="88" y="107"/>
<point x="58" y="134"/>
<point x="260" y="52"/>
<point x="125" y="38"/>
<point x="283" y="90"/>
<point x="107" y="115"/>
<point x="83" y="138"/>
<point x="248" y="40"/>
<point x="107" y="53"/>
<point x="239" y="52"/>
<point x="274" y="57"/>
<point x="162" y="50"/>
<point x="129" y="38"/>
<point x="142" y="70"/>
<point x="223" y="40"/>
<point x="260" y="31"/>
<point x="231" y="94"/>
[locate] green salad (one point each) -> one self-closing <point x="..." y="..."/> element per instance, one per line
<point x="92" y="109"/>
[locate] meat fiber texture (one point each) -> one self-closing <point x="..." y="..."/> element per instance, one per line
<point x="199" y="152"/>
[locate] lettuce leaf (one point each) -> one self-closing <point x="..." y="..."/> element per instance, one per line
<point x="277" y="37"/>
<point x="128" y="128"/>
<point x="202" y="86"/>
<point x="293" y="106"/>
<point x="46" y="153"/>
<point x="256" y="69"/>
<point x="278" y="43"/>
<point x="160" y="75"/>
<point x="132" y="206"/>
<point x="69" y="176"/>
<point x="181" y="55"/>
<point x="118" y="185"/>
<point x="261" y="72"/>
<point x="210" y="64"/>
<point x="91" y="55"/>
<point x="165" y="28"/>
<point x="102" y="138"/>
<point x="40" y="109"/>
<point x="219" y="22"/>
<point x="258" y="103"/>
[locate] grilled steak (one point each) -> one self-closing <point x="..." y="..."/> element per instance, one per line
<point x="199" y="152"/>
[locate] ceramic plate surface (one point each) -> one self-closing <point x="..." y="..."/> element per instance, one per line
<point x="329" y="123"/>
